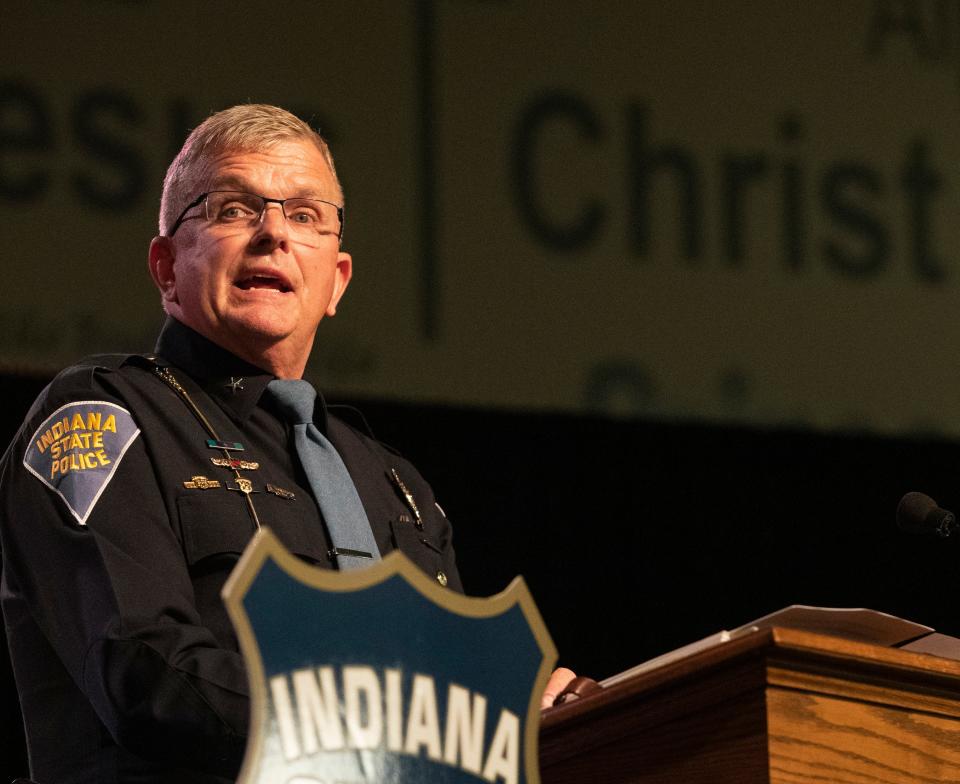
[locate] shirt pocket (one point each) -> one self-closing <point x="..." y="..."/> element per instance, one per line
<point x="216" y="526"/>
<point x="417" y="544"/>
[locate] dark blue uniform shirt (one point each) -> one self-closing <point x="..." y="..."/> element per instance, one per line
<point x="125" y="660"/>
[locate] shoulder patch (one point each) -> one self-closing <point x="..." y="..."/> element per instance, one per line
<point x="76" y="451"/>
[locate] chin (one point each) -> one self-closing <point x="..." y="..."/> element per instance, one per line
<point x="264" y="328"/>
<point x="271" y="315"/>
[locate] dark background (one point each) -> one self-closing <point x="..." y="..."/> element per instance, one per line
<point x="638" y="537"/>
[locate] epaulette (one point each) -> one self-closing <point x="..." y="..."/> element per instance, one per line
<point x="107" y="361"/>
<point x="83" y="369"/>
<point x="145" y="361"/>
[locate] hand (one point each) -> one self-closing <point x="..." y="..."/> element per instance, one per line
<point x="559" y="680"/>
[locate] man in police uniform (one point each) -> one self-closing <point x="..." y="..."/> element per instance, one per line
<point x="136" y="481"/>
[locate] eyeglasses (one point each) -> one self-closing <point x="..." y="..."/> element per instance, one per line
<point x="307" y="219"/>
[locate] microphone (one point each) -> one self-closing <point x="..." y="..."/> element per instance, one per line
<point x="919" y="514"/>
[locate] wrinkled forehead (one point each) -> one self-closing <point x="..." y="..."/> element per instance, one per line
<point x="300" y="163"/>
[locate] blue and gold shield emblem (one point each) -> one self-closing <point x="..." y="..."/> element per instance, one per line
<point x="382" y="676"/>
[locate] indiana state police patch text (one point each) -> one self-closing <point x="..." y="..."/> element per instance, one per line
<point x="77" y="449"/>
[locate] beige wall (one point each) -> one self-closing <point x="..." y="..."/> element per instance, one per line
<point x="726" y="211"/>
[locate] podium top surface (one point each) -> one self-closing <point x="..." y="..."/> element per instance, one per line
<point x="788" y="658"/>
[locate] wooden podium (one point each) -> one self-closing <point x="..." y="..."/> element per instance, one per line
<point x="779" y="706"/>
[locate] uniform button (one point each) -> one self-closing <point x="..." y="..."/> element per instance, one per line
<point x="442" y="579"/>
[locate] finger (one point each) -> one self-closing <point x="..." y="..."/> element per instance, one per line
<point x="559" y="680"/>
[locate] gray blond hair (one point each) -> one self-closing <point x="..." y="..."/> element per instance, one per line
<point x="244" y="128"/>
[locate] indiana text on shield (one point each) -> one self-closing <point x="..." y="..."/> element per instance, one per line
<point x="306" y="703"/>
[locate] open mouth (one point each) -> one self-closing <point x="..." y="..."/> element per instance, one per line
<point x="261" y="281"/>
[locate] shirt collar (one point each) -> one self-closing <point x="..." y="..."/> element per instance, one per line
<point x="232" y="381"/>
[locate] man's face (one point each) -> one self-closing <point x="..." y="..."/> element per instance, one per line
<point x="253" y="288"/>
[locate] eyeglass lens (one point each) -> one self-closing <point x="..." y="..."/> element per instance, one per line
<point x="307" y="218"/>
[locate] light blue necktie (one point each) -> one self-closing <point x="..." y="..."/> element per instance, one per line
<point x="350" y="532"/>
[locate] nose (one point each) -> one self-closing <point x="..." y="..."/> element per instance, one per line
<point x="271" y="229"/>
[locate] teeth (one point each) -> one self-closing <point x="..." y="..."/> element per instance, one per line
<point x="263" y="281"/>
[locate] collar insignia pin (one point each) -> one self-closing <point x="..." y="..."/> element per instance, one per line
<point x="235" y="384"/>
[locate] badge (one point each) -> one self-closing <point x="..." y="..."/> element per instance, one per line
<point x="408" y="497"/>
<point x="415" y="684"/>
<point x="231" y="462"/>
<point x="244" y="485"/>
<point x="280" y="492"/>
<point x="76" y="451"/>
<point x="233" y="446"/>
<point x="201" y="483"/>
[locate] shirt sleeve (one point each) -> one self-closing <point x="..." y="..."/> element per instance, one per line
<point x="109" y="589"/>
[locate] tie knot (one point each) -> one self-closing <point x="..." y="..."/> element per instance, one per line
<point x="295" y="399"/>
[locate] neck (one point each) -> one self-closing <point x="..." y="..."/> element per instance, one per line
<point x="279" y="358"/>
<point x="285" y="358"/>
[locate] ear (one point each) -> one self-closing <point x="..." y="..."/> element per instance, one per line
<point x="341" y="280"/>
<point x="160" y="259"/>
